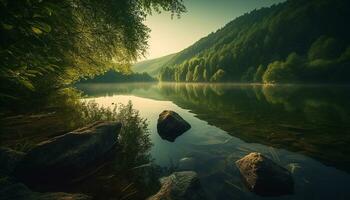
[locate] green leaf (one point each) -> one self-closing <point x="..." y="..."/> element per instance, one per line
<point x="30" y="75"/>
<point x="7" y="26"/>
<point x="41" y="27"/>
<point x="36" y="30"/>
<point x="27" y="84"/>
<point x="45" y="27"/>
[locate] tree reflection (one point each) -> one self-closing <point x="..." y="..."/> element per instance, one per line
<point x="300" y="118"/>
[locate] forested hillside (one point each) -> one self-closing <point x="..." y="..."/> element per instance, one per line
<point x="113" y="76"/>
<point x="153" y="66"/>
<point x="295" y="41"/>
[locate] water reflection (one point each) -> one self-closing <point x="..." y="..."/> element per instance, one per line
<point x="286" y="123"/>
<point x="305" y="119"/>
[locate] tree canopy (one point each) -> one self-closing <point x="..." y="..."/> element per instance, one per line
<point x="47" y="44"/>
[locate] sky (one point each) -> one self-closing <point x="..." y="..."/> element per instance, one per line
<point x="202" y="17"/>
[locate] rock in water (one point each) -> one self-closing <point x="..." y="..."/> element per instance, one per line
<point x="171" y="125"/>
<point x="183" y="185"/>
<point x="264" y="177"/>
<point x="18" y="191"/>
<point x="60" y="196"/>
<point x="65" y="156"/>
<point x="9" y="159"/>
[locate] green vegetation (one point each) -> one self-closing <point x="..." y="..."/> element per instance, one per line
<point x="295" y="41"/>
<point x="46" y="45"/>
<point x="65" y="112"/>
<point x="153" y="66"/>
<point x="119" y="77"/>
<point x="134" y="142"/>
<point x="129" y="180"/>
<point x="134" y="136"/>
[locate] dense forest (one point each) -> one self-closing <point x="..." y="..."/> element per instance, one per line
<point x="119" y="77"/>
<point x="46" y="46"/>
<point x="295" y="41"/>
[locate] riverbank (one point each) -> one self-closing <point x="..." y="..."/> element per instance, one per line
<point x="115" y="170"/>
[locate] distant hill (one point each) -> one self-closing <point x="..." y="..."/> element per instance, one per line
<point x="118" y="77"/>
<point x="153" y="66"/>
<point x="294" y="41"/>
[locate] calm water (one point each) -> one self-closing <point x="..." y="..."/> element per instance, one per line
<point x="306" y="129"/>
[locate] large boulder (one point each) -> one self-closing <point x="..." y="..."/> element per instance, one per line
<point x="171" y="125"/>
<point x="264" y="177"/>
<point x="66" y="156"/>
<point x="183" y="185"/>
<point x="9" y="159"/>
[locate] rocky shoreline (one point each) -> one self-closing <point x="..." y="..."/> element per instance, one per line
<point x="61" y="158"/>
<point x="66" y="157"/>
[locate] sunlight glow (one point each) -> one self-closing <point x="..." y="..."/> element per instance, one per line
<point x="203" y="17"/>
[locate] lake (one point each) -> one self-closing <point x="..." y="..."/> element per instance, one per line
<point x="305" y="129"/>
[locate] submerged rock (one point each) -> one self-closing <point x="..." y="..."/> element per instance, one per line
<point x="65" y="156"/>
<point x="264" y="177"/>
<point x="61" y="196"/>
<point x="9" y="159"/>
<point x="18" y="191"/>
<point x="171" y="125"/>
<point x="183" y="185"/>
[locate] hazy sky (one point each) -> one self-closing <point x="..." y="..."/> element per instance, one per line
<point x="202" y="17"/>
